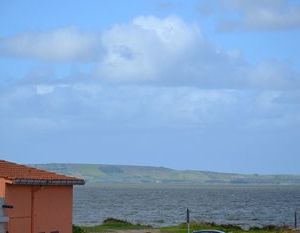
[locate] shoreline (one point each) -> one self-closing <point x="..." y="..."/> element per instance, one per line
<point x="117" y="225"/>
<point x="182" y="185"/>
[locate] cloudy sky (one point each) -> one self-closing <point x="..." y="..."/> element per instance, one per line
<point x="198" y="84"/>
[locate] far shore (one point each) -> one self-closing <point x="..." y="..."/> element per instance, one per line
<point x="183" y="185"/>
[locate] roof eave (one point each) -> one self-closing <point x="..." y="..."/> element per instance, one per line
<point x="48" y="182"/>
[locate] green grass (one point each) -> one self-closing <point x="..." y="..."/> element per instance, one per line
<point x="111" y="224"/>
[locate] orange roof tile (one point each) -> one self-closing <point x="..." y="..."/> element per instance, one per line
<point x="21" y="174"/>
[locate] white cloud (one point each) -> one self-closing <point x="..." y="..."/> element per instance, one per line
<point x="154" y="51"/>
<point x="171" y="52"/>
<point x="89" y="106"/>
<point x="64" y="44"/>
<point x="261" y="15"/>
<point x="167" y="51"/>
<point x="44" y="89"/>
<point x="275" y="110"/>
<point x="274" y="75"/>
<point x="146" y="48"/>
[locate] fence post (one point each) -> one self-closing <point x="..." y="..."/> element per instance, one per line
<point x="188" y="220"/>
<point x="295" y="219"/>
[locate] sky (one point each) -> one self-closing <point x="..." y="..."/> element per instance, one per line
<point x="185" y="84"/>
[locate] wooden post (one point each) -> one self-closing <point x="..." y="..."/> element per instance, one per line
<point x="188" y="220"/>
<point x="295" y="219"/>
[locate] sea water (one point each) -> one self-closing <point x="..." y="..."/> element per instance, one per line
<point x="163" y="206"/>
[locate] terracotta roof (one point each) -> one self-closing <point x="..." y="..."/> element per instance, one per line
<point x="21" y="174"/>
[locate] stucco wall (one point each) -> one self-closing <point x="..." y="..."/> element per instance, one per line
<point x="20" y="215"/>
<point x="2" y="187"/>
<point x="53" y="209"/>
<point x="39" y="208"/>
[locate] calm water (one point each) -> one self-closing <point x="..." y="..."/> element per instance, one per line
<point x="246" y="206"/>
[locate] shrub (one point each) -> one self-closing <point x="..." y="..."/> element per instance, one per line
<point x="116" y="221"/>
<point x="77" y="229"/>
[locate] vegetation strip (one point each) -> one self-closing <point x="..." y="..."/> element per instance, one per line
<point x="112" y="224"/>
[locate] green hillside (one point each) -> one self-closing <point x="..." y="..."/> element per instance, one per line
<point x="116" y="174"/>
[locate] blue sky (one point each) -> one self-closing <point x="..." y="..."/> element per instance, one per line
<point x="206" y="85"/>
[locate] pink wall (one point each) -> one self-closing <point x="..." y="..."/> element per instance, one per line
<point x="2" y="187"/>
<point x="53" y="209"/>
<point x="39" y="208"/>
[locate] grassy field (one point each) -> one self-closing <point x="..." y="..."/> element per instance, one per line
<point x="115" y="224"/>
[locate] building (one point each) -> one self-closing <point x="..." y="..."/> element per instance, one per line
<point x="34" y="200"/>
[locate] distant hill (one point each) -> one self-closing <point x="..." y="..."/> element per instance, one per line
<point x="95" y="174"/>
